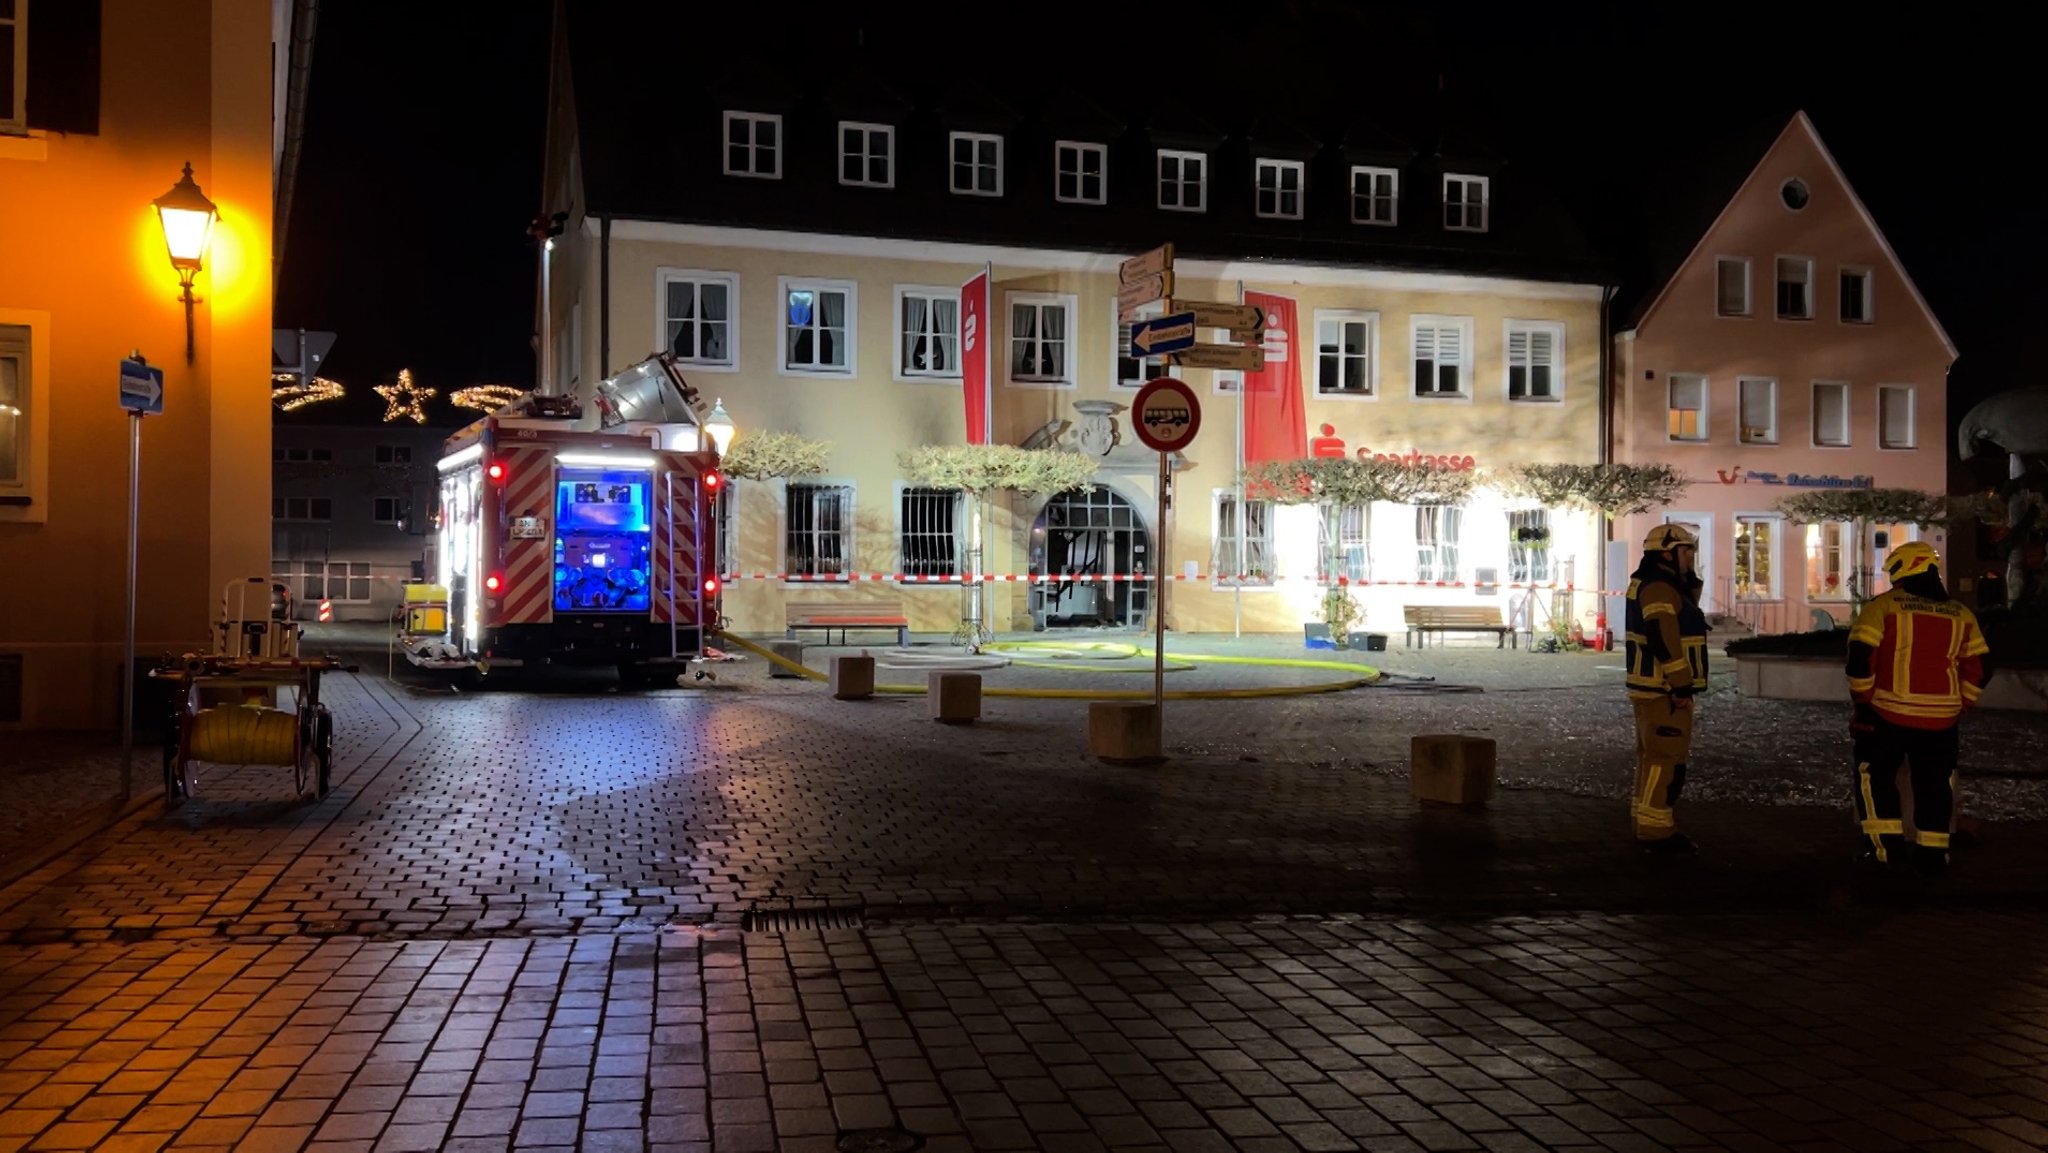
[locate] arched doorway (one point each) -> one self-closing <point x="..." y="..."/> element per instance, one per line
<point x="1090" y="532"/>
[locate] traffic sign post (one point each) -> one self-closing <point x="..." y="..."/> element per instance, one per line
<point x="1166" y="416"/>
<point x="141" y="393"/>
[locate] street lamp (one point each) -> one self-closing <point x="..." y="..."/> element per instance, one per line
<point x="718" y="426"/>
<point x="187" y="217"/>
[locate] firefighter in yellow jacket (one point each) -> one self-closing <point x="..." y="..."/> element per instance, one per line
<point x="1916" y="664"/>
<point x="1667" y="666"/>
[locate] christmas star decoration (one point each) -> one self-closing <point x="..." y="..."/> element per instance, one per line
<point x="486" y="397"/>
<point x="405" y="399"/>
<point x="290" y="393"/>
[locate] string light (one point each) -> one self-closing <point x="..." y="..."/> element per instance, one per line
<point x="405" y="399"/>
<point x="486" y="397"/>
<point x="289" y="393"/>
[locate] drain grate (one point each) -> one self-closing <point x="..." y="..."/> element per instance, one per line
<point x="878" y="1141"/>
<point x="797" y="920"/>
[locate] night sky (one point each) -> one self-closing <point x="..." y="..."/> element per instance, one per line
<point x="421" y="166"/>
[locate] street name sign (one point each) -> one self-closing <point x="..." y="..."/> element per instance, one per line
<point x="1242" y="320"/>
<point x="1164" y="334"/>
<point x="142" y="387"/>
<point x="1227" y="357"/>
<point x="1132" y="295"/>
<point x="1146" y="264"/>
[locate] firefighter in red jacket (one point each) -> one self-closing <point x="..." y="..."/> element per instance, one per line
<point x="1916" y="664"/>
<point x="1667" y="666"/>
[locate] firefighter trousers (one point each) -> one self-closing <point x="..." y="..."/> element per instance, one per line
<point x="1663" y="742"/>
<point x="1930" y="757"/>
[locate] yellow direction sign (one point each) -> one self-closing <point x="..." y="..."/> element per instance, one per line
<point x="1228" y="357"/>
<point x="1243" y="320"/>
<point x="1146" y="264"/>
<point x="1134" y="294"/>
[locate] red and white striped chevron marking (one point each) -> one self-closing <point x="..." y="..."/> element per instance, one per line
<point x="676" y="533"/>
<point x="528" y="566"/>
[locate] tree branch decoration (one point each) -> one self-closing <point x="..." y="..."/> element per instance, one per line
<point x="1353" y="481"/>
<point x="1610" y="489"/>
<point x="984" y="468"/>
<point x="1880" y="506"/>
<point x="767" y="455"/>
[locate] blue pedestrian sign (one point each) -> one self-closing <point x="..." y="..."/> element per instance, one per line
<point x="1163" y="335"/>
<point x="142" y="386"/>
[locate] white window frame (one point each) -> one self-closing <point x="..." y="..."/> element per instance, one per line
<point x="1912" y="418"/>
<point x="1120" y="344"/>
<point x="1869" y="280"/>
<point x="1080" y="148"/>
<point x="754" y="148"/>
<point x="1532" y="328"/>
<point x="1777" y="279"/>
<point x="23" y="415"/>
<point x="1393" y="205"/>
<point x="1354" y="538"/>
<point x="347" y="578"/>
<point x="1464" y="362"/>
<point x="960" y="533"/>
<point x="663" y="278"/>
<point x="974" y="164"/>
<point x="1223" y="558"/>
<point x="1279" y="170"/>
<point x="868" y="132"/>
<point x="1342" y="317"/>
<point x="18" y="121"/>
<point x="1706" y="408"/>
<point x="1180" y="181"/>
<point x="1774" y="589"/>
<point x="1742" y="430"/>
<point x="1442" y="541"/>
<point x="787" y="284"/>
<point x="1466" y="182"/>
<point x="1538" y="566"/>
<point x="1847" y="438"/>
<point x="899" y="365"/>
<point x="1748" y="287"/>
<point x="1844" y="543"/>
<point x="397" y="504"/>
<point x="1069" y="372"/>
<point x="849" y="532"/>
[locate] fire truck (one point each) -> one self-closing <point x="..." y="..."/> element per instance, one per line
<point x="571" y="540"/>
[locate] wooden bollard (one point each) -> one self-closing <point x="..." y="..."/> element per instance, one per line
<point x="955" y="697"/>
<point x="1451" y="769"/>
<point x="1124" y="733"/>
<point x="853" y="678"/>
<point x="791" y="651"/>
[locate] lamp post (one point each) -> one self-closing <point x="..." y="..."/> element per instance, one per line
<point x="187" y="217"/>
<point x="719" y="427"/>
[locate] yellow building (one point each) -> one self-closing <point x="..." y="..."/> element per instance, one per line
<point x="1443" y="309"/>
<point x="102" y="104"/>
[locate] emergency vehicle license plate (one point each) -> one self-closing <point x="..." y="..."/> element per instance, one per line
<point x="529" y="528"/>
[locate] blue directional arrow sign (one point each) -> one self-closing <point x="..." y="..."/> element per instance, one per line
<point x="1164" y="335"/>
<point x="142" y="387"/>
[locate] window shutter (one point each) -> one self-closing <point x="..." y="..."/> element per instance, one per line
<point x="1518" y="350"/>
<point x="64" y="67"/>
<point x="1449" y="342"/>
<point x="1543" y="348"/>
<point x="1425" y="344"/>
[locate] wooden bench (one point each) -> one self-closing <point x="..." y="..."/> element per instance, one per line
<point x="844" y="615"/>
<point x="1425" y="619"/>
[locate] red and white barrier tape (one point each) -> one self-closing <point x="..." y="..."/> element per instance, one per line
<point x="1147" y="578"/>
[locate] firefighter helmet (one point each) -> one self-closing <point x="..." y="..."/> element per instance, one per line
<point x="1910" y="559"/>
<point x="1665" y="537"/>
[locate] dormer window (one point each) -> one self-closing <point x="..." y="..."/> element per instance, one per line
<point x="1465" y="202"/>
<point x="1375" y="195"/>
<point x="977" y="165"/>
<point x="1081" y="172"/>
<point x="753" y="144"/>
<point x="1183" y="181"/>
<point x="867" y="155"/>
<point x="1279" y="188"/>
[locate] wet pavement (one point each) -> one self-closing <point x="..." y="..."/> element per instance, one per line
<point x="743" y="916"/>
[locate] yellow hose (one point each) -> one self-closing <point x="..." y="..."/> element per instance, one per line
<point x="1366" y="675"/>
<point x="244" y="735"/>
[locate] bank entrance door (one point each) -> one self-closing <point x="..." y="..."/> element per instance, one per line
<point x="1091" y="533"/>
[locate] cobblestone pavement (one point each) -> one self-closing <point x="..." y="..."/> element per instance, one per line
<point x="742" y="916"/>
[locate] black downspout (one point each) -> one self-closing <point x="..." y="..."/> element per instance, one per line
<point x="604" y="298"/>
<point x="1606" y="425"/>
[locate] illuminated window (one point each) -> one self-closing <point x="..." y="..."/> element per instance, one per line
<point x="697" y="318"/>
<point x="1758" y="402"/>
<point x="1529" y="546"/>
<point x="1688" y="407"/>
<point x="1253" y="531"/>
<point x="1041" y="340"/>
<point x="818" y="536"/>
<point x="928" y="331"/>
<point x="1756" y="558"/>
<point x="1827" y="555"/>
<point x="928" y="536"/>
<point x="1436" y="541"/>
<point x="14" y="406"/>
<point x="13" y="63"/>
<point x="1351" y="525"/>
<point x="817" y="326"/>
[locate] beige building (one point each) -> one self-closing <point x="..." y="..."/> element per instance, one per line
<point x="100" y="109"/>
<point x="1443" y="309"/>
<point x="1783" y="349"/>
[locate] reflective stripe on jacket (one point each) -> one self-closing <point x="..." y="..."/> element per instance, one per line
<point x="1667" y="637"/>
<point x="1925" y="661"/>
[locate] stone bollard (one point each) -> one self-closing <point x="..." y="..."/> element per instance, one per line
<point x="853" y="678"/>
<point x="1124" y="734"/>
<point x="955" y="697"/>
<point x="791" y="651"/>
<point x="1451" y="769"/>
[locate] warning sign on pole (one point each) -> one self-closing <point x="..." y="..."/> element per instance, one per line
<point x="326" y="610"/>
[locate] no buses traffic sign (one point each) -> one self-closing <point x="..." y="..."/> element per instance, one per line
<point x="1166" y="415"/>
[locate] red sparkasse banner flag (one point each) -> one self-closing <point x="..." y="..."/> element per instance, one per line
<point x="1275" y="419"/>
<point x="974" y="362"/>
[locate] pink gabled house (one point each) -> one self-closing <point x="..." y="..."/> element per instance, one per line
<point x="1783" y="350"/>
